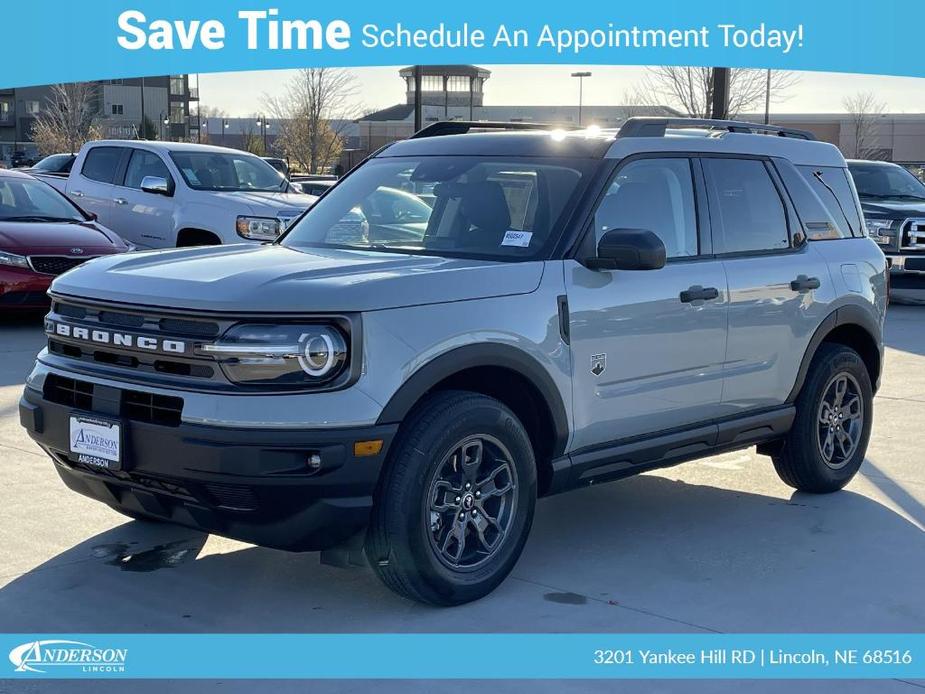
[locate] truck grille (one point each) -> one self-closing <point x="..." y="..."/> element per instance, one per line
<point x="55" y="264"/>
<point x="913" y="235"/>
<point x="137" y="406"/>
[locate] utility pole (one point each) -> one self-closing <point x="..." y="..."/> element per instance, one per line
<point x="581" y="83"/>
<point x="720" y="106"/>
<point x="767" y="100"/>
<point x="144" y="130"/>
<point x="418" y="107"/>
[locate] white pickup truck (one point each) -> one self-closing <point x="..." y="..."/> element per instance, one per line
<point x="167" y="194"/>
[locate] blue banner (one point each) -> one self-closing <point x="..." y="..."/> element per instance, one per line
<point x="66" y="40"/>
<point x="487" y="656"/>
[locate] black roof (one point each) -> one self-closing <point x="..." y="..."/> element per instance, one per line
<point x="528" y="143"/>
<point x="397" y="112"/>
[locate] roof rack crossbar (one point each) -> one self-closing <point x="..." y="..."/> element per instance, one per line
<point x="461" y="127"/>
<point x="656" y="127"/>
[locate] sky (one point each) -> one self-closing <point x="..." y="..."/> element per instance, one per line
<point x="244" y="93"/>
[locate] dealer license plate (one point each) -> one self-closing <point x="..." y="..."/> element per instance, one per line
<point x="96" y="442"/>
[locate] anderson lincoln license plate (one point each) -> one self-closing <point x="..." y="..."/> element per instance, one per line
<point x="96" y="442"/>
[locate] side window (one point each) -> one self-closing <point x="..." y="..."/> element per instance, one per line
<point x="657" y="195"/>
<point x="748" y="213"/>
<point x="101" y="164"/>
<point x="832" y="187"/>
<point x="143" y="164"/>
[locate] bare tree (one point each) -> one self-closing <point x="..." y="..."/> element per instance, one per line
<point x="863" y="110"/>
<point x="68" y="119"/>
<point x="690" y="89"/>
<point x="251" y="140"/>
<point x="316" y="109"/>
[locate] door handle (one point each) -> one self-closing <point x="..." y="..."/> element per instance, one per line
<point x="803" y="284"/>
<point x="120" y="201"/>
<point x="698" y="293"/>
<point x="77" y="194"/>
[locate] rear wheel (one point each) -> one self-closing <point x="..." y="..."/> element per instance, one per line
<point x="828" y="441"/>
<point x="456" y="502"/>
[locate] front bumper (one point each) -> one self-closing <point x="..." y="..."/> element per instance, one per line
<point x="906" y="271"/>
<point x="247" y="484"/>
<point x="22" y="288"/>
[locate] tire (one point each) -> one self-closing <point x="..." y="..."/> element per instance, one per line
<point x="803" y="462"/>
<point x="412" y="546"/>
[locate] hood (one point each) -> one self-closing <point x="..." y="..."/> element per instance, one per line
<point x="245" y="278"/>
<point x="290" y="204"/>
<point x="25" y="238"/>
<point x="894" y="208"/>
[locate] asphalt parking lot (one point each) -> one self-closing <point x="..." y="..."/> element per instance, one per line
<point x="714" y="545"/>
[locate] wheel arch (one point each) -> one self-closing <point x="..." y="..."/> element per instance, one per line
<point x="197" y="233"/>
<point x="505" y="373"/>
<point x="852" y="326"/>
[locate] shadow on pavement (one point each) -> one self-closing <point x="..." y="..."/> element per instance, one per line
<point x="669" y="555"/>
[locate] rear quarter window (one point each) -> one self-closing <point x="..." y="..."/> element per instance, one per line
<point x="833" y="188"/>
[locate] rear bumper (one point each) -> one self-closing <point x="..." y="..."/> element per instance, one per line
<point x="250" y="485"/>
<point x="22" y="288"/>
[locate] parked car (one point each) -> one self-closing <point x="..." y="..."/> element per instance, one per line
<point x="42" y="235"/>
<point x="278" y="164"/>
<point x="167" y="194"/>
<point x="316" y="188"/>
<point x="893" y="201"/>
<point x="21" y="159"/>
<point x="579" y="308"/>
<point x="54" y="165"/>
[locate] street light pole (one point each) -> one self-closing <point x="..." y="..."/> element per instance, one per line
<point x="720" y="106"/>
<point x="767" y="100"/>
<point x="581" y="80"/>
<point x="224" y="128"/>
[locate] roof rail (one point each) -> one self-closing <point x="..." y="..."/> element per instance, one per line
<point x="656" y="127"/>
<point x="461" y="127"/>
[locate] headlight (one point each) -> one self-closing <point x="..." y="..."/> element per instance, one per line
<point x="283" y="355"/>
<point x="259" y="228"/>
<point x="878" y="230"/>
<point x="13" y="259"/>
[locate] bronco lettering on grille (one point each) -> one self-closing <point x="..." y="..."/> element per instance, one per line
<point x="107" y="337"/>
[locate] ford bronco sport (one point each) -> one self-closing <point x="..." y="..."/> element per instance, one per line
<point x="575" y="307"/>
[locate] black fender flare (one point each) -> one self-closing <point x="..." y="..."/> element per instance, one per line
<point x="471" y="356"/>
<point x="848" y="314"/>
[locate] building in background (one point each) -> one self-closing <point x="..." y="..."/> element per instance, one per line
<point x="168" y="98"/>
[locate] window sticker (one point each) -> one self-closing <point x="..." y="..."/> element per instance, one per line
<point x="517" y="239"/>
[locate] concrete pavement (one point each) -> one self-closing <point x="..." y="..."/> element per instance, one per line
<point x="714" y="545"/>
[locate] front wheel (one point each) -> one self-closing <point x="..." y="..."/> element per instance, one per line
<point x="828" y="441"/>
<point x="456" y="501"/>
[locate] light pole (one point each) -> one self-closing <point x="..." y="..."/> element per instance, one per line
<point x="767" y="100"/>
<point x="224" y="128"/>
<point x="162" y="126"/>
<point x="263" y="124"/>
<point x="581" y="83"/>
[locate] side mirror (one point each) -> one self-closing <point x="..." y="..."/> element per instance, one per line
<point x="629" y="249"/>
<point x="156" y="185"/>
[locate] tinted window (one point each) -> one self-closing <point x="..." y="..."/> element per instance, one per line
<point x="747" y="212"/>
<point x="469" y="206"/>
<point x="211" y="170"/>
<point x="885" y="181"/>
<point x="56" y="163"/>
<point x="657" y="195"/>
<point x="832" y="187"/>
<point x="144" y="164"/>
<point x="101" y="163"/>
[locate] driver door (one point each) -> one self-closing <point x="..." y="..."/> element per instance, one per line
<point x="647" y="354"/>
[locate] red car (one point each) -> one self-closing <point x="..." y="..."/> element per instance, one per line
<point x="43" y="234"/>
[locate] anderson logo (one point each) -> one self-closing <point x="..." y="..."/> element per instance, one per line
<point x="42" y="656"/>
<point x="108" y="337"/>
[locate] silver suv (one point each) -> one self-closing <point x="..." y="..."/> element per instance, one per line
<point x="522" y="312"/>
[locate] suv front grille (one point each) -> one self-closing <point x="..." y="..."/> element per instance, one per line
<point x="55" y="264"/>
<point x="134" y="405"/>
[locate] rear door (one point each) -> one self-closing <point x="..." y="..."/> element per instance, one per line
<point x="647" y="347"/>
<point x="92" y="186"/>
<point x="145" y="219"/>
<point x="780" y="289"/>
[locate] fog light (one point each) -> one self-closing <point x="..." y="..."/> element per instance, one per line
<point x="363" y="449"/>
<point x="313" y="462"/>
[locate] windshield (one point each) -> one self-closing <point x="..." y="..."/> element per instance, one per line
<point x="28" y="200"/>
<point x="56" y="163"/>
<point x="478" y="207"/>
<point x="881" y="181"/>
<point x="234" y="171"/>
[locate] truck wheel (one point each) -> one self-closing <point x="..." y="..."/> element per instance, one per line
<point x="455" y="503"/>
<point x="828" y="441"/>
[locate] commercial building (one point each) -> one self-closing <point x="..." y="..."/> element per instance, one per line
<point x="168" y="103"/>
